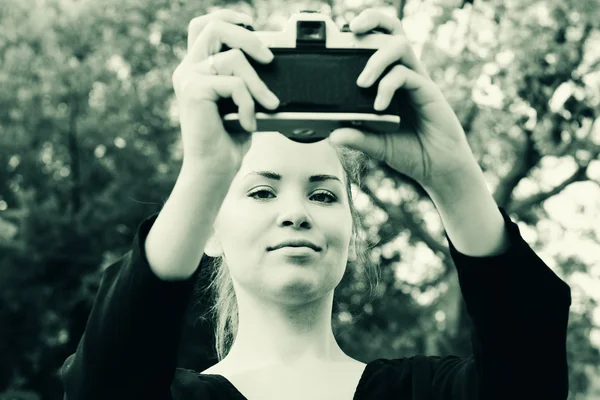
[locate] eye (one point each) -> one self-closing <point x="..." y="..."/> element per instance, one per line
<point x="332" y="198"/>
<point x="253" y="194"/>
<point x="327" y="194"/>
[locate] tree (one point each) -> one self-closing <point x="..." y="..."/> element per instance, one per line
<point x="90" y="148"/>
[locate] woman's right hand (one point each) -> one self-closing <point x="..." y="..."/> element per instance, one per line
<point x="197" y="89"/>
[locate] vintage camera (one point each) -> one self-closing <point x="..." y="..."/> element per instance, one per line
<point x="314" y="76"/>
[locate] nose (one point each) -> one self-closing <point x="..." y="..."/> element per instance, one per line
<point x="295" y="215"/>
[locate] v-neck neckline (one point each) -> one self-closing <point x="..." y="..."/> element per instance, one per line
<point x="358" y="394"/>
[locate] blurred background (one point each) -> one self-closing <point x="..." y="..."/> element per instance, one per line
<point x="89" y="147"/>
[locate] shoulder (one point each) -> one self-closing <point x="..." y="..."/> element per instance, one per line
<point x="415" y="373"/>
<point x="188" y="384"/>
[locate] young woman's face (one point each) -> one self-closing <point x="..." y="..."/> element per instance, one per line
<point x="260" y="212"/>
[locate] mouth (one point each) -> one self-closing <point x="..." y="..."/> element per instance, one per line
<point x="297" y="249"/>
<point x="300" y="247"/>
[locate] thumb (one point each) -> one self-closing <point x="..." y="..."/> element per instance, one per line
<point x="370" y="143"/>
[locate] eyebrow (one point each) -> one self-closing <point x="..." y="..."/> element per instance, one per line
<point x="313" y="178"/>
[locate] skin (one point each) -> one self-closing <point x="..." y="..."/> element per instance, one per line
<point x="285" y="303"/>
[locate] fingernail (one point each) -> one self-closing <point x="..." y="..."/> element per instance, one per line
<point x="378" y="103"/>
<point x="356" y="24"/>
<point x="267" y="53"/>
<point x="272" y="99"/>
<point x="363" y="79"/>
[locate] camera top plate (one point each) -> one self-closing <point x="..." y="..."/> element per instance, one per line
<point x="333" y="37"/>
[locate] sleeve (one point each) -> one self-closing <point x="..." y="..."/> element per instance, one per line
<point x="519" y="309"/>
<point x="129" y="347"/>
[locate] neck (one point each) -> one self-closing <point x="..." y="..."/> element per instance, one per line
<point x="284" y="335"/>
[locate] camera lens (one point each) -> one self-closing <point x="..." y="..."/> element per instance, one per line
<point x="303" y="132"/>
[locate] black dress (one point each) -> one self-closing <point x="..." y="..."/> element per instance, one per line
<point x="518" y="306"/>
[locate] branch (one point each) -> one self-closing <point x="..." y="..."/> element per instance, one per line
<point x="469" y="118"/>
<point x="401" y="216"/>
<point x="523" y="163"/>
<point x="530" y="156"/>
<point x="593" y="68"/>
<point x="578" y="176"/>
<point x="429" y="283"/>
<point x="73" y="146"/>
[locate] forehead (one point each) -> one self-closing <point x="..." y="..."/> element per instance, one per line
<point x="275" y="152"/>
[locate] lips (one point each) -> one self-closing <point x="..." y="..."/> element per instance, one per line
<point x="297" y="243"/>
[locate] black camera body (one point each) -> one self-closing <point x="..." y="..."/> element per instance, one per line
<point x="314" y="75"/>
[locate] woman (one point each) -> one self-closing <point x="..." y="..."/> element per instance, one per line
<point x="284" y="230"/>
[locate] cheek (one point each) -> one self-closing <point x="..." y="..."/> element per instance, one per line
<point x="339" y="230"/>
<point x="244" y="242"/>
<point x="243" y="224"/>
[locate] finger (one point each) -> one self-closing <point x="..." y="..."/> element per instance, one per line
<point x="195" y="87"/>
<point x="234" y="62"/>
<point x="235" y="88"/>
<point x="217" y="32"/>
<point x="421" y="90"/>
<point x="197" y="24"/>
<point x="397" y="50"/>
<point x="370" y="19"/>
<point x="374" y="145"/>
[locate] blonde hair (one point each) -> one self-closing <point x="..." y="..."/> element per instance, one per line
<point x="224" y="310"/>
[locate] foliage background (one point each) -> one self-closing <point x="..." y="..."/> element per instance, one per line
<point x="89" y="147"/>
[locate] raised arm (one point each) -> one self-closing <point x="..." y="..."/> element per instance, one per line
<point x="129" y="347"/>
<point x="519" y="309"/>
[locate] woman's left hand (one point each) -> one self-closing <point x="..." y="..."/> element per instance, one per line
<point x="433" y="147"/>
